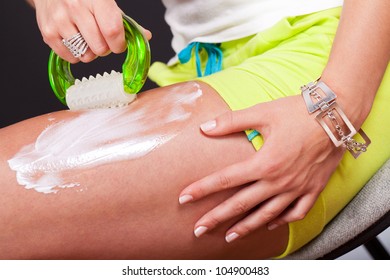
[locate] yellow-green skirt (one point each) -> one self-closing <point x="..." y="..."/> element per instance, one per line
<point x="275" y="63"/>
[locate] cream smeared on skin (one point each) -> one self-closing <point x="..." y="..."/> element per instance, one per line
<point x="102" y="136"/>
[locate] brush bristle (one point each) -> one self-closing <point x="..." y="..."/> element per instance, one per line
<point x="98" y="92"/>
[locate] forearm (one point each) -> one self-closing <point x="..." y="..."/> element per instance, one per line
<point x="359" y="56"/>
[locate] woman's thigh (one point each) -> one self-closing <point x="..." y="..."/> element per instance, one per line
<point x="111" y="181"/>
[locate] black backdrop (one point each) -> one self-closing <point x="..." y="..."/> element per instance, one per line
<point x="25" y="90"/>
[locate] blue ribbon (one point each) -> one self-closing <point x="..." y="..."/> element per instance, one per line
<point x="214" y="61"/>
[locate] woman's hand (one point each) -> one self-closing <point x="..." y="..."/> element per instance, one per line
<point x="99" y="22"/>
<point x="278" y="184"/>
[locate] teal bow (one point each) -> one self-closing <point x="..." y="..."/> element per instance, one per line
<point x="214" y="61"/>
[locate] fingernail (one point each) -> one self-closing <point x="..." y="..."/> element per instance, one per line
<point x="231" y="237"/>
<point x="207" y="126"/>
<point x="272" y="226"/>
<point x="200" y="231"/>
<point x="185" y="198"/>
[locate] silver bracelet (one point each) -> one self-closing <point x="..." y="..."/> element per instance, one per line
<point x="318" y="96"/>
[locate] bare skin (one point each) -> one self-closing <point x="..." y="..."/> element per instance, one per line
<point x="129" y="209"/>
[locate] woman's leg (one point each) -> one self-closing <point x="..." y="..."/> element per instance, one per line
<point x="127" y="208"/>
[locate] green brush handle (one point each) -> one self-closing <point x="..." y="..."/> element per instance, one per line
<point x="135" y="67"/>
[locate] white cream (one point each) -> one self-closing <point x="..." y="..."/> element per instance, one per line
<point x="102" y="136"/>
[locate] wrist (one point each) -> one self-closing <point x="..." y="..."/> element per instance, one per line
<point x="320" y="100"/>
<point x="355" y="101"/>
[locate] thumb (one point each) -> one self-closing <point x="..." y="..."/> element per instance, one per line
<point x="233" y="121"/>
<point x="147" y="33"/>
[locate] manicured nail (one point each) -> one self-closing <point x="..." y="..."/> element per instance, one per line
<point x="231" y="237"/>
<point x="200" y="231"/>
<point x="185" y="198"/>
<point x="272" y="226"/>
<point x="207" y="126"/>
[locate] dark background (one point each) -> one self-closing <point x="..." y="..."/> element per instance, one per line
<point x="25" y="91"/>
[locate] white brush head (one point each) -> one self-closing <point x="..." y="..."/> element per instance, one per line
<point x="98" y="92"/>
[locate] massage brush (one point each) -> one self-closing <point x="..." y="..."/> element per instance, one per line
<point x="109" y="90"/>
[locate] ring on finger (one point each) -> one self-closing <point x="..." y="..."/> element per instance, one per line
<point x="76" y="45"/>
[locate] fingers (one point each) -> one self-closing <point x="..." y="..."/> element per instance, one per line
<point x="147" y="33"/>
<point x="229" y="177"/>
<point x="99" y="22"/>
<point x="267" y="212"/>
<point x="239" y="204"/>
<point x="271" y="211"/>
<point x="235" y="121"/>
<point x="244" y="172"/>
<point x="268" y="202"/>
<point x="52" y="35"/>
<point x="109" y="20"/>
<point x="295" y="213"/>
<point x="91" y="32"/>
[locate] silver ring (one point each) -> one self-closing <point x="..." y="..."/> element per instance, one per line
<point x="76" y="45"/>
